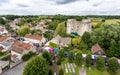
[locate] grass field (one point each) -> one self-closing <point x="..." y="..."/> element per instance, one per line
<point x="65" y="62"/>
<point x="96" y="72"/>
<point x="95" y="21"/>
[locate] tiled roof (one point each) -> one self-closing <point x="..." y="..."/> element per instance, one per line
<point x="1" y="48"/>
<point x="19" y="47"/>
<point x="36" y="37"/>
<point x="2" y="38"/>
<point x="96" y="48"/>
<point x="13" y="56"/>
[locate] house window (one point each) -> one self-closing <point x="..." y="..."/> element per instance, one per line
<point x="99" y="53"/>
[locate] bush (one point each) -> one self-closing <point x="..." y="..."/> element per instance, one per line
<point x="113" y="65"/>
<point x="61" y="72"/>
<point x="100" y="63"/>
<point x="50" y="72"/>
<point x="27" y="56"/>
<point x="59" y="62"/>
<point x="88" y="60"/>
<point x="47" y="56"/>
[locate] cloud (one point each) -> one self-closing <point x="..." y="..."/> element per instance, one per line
<point x="66" y="7"/>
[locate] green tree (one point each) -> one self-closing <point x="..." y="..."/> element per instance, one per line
<point x="2" y="21"/>
<point x="61" y="72"/>
<point x="48" y="35"/>
<point x="23" y="31"/>
<point x="37" y="66"/>
<point x="53" y="45"/>
<point x="47" y="56"/>
<point x="50" y="72"/>
<point x="76" y="42"/>
<point x="88" y="60"/>
<point x="104" y="36"/>
<point x="113" y="65"/>
<point x="100" y="63"/>
<point x="70" y="57"/>
<point x="83" y="46"/>
<point x="61" y="30"/>
<point x="52" y="25"/>
<point x="78" y="60"/>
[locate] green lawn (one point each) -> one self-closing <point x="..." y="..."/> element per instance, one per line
<point x="96" y="72"/>
<point x="2" y="54"/>
<point x="65" y="62"/>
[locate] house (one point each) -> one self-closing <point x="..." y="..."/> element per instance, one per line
<point x="78" y="27"/>
<point x="18" y="49"/>
<point x="4" y="65"/>
<point x="6" y="42"/>
<point x="96" y="49"/>
<point x="14" y="25"/>
<point x="3" y="38"/>
<point x="64" y="42"/>
<point x="61" y="41"/>
<point x="35" y="39"/>
<point x="3" y="30"/>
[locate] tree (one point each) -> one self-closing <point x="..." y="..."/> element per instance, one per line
<point x="47" y="56"/>
<point x="104" y="36"/>
<point x="61" y="54"/>
<point x="61" y="72"/>
<point x="61" y="30"/>
<point x="52" y="25"/>
<point x="48" y="35"/>
<point x="23" y="31"/>
<point x="50" y="72"/>
<point x="37" y="66"/>
<point x="76" y="42"/>
<point x="2" y="21"/>
<point x="113" y="65"/>
<point x="70" y="57"/>
<point x="88" y="60"/>
<point x="28" y="56"/>
<point x="83" y="46"/>
<point x="86" y="39"/>
<point x="100" y="63"/>
<point x="78" y="60"/>
<point x="53" y="45"/>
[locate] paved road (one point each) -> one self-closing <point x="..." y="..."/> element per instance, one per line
<point x="82" y="71"/>
<point x="55" y="66"/>
<point x="16" y="70"/>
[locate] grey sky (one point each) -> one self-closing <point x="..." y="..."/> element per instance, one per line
<point x="66" y="7"/>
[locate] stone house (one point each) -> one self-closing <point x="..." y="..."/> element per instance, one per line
<point x="78" y="27"/>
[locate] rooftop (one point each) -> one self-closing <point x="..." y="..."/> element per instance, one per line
<point x="36" y="37"/>
<point x="2" y="38"/>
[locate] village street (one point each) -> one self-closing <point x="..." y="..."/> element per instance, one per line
<point x="17" y="70"/>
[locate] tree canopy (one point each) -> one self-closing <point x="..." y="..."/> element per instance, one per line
<point x="61" y="30"/>
<point x="37" y="66"/>
<point x="108" y="38"/>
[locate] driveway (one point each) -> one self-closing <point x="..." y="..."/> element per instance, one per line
<point x="17" y="70"/>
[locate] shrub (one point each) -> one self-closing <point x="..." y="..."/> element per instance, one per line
<point x="88" y="60"/>
<point x="50" y="72"/>
<point x="61" y="72"/>
<point x="27" y="56"/>
<point x="100" y="63"/>
<point x="113" y="65"/>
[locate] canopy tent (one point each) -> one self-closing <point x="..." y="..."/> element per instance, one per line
<point x="51" y="49"/>
<point x="75" y="33"/>
<point x="56" y="50"/>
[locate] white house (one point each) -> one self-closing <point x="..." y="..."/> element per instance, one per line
<point x="3" y="65"/>
<point x="19" y="49"/>
<point x="78" y="27"/>
<point x="6" y="42"/>
<point x="3" y="30"/>
<point x="35" y="39"/>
